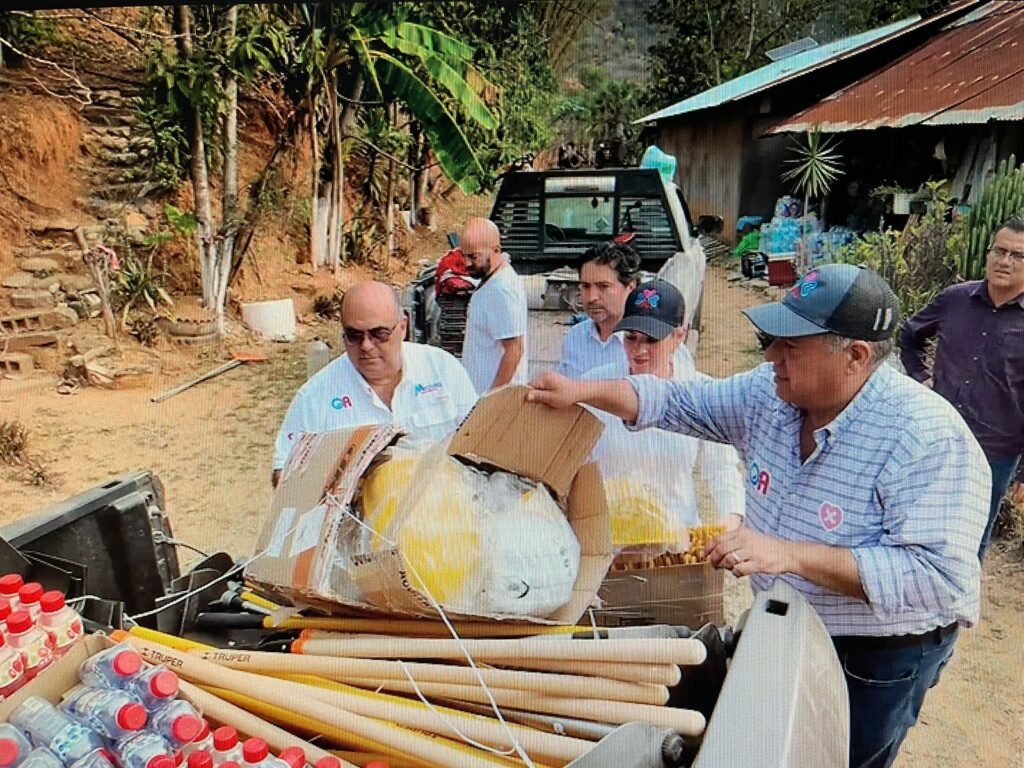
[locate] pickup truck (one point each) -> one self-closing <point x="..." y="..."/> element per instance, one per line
<point x="772" y="688"/>
<point x="547" y="220"/>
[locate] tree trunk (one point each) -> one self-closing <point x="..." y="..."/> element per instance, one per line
<point x="315" y="241"/>
<point x="229" y="183"/>
<point x="389" y="213"/>
<point x="334" y="220"/>
<point x="198" y="168"/>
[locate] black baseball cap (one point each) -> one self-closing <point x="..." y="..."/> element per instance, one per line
<point x="844" y="299"/>
<point x="655" y="309"/>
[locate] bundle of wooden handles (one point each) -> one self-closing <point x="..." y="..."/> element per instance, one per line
<point x="334" y="689"/>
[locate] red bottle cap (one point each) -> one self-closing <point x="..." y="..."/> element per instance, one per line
<point x="179" y="758"/>
<point x="5" y="610"/>
<point x="377" y="764"/>
<point x="186" y="728"/>
<point x="19" y="622"/>
<point x="30" y="593"/>
<point x="255" y="751"/>
<point x="161" y="761"/>
<point x="10" y="584"/>
<point x="230" y="764"/>
<point x="225" y="738"/>
<point x="164" y="685"/>
<point x="200" y="759"/>
<point x="8" y="752"/>
<point x="51" y="601"/>
<point x="328" y="761"/>
<point x="132" y="717"/>
<point x="294" y="756"/>
<point x="127" y="663"/>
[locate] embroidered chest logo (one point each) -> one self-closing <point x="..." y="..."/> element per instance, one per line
<point x="427" y="389"/>
<point x="830" y="515"/>
<point x="761" y="479"/>
<point x="340" y="403"/>
<point x="648" y="299"/>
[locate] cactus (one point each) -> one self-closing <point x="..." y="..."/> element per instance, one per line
<point x="1001" y="198"/>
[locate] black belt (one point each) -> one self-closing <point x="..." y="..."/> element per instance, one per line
<point x="892" y="642"/>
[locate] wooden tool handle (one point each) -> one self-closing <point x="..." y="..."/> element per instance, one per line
<point x="632" y="651"/>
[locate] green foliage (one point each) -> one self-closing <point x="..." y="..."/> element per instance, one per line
<point x="380" y="136"/>
<point x="1001" y="198"/>
<point x="817" y="164"/>
<point x="28" y="31"/>
<point x="592" y="112"/>
<point x="183" y="222"/>
<point x="918" y="262"/>
<point x="135" y="282"/>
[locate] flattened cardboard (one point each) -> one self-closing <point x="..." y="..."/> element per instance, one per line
<point x="680" y="595"/>
<point x="503" y="431"/>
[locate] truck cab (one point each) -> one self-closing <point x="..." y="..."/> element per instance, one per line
<point x="548" y="220"/>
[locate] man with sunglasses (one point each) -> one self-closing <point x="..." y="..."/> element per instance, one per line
<point x="979" y="357"/>
<point x="494" y="351"/>
<point x="381" y="379"/>
<point x="653" y="327"/>
<point x="866" y="492"/>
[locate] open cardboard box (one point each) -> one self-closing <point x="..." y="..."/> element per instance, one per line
<point x="57" y="679"/>
<point x="307" y="540"/>
<point x="681" y="595"/>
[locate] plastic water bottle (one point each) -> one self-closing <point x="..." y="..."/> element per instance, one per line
<point x="293" y="757"/>
<point x="144" y="749"/>
<point x="10" y="583"/>
<point x="41" y="757"/>
<point x="12" y="670"/>
<point x="226" y="748"/>
<point x="47" y="726"/>
<point x="5" y="612"/>
<point x="178" y="722"/>
<point x="113" y="713"/>
<point x="29" y="595"/>
<point x="255" y="753"/>
<point x="112" y="668"/>
<point x="100" y="758"/>
<point x="61" y="623"/>
<point x="31" y="642"/>
<point x="14" y="747"/>
<point x="318" y="354"/>
<point x="200" y="759"/>
<point x="154" y="686"/>
<point x="202" y="743"/>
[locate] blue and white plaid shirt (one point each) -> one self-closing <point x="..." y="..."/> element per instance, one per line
<point x="896" y="477"/>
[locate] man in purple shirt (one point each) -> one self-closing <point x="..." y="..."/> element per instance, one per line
<point x="979" y="357"/>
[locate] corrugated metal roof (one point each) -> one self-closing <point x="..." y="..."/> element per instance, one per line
<point x="970" y="72"/>
<point x="779" y="71"/>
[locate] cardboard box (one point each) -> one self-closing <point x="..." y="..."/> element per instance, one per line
<point x="309" y="541"/>
<point x="57" y="679"/>
<point x="686" y="595"/>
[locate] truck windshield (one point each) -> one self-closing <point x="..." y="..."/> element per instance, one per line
<point x="568" y="219"/>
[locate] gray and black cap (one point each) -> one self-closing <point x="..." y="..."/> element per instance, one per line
<point x="844" y="299"/>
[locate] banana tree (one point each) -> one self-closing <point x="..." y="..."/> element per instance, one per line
<point x="387" y="58"/>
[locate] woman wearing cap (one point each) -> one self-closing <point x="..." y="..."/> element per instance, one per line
<point x="649" y="475"/>
<point x="866" y="491"/>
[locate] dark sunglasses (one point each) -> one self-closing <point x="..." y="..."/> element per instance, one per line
<point x="378" y="335"/>
<point x="764" y="340"/>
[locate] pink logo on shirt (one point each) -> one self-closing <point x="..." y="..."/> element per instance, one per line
<point x="831" y="516"/>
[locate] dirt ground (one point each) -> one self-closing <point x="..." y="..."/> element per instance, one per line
<point x="211" y="446"/>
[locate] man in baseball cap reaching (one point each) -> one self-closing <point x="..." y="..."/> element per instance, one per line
<point x="865" y="490"/>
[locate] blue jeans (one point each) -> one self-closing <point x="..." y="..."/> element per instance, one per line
<point x="887" y="687"/>
<point x="1003" y="470"/>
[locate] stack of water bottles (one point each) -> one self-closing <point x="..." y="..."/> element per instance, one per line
<point x="36" y="628"/>
<point x="127" y="714"/>
<point x="782" y="233"/>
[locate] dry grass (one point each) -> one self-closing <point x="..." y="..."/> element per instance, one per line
<point x="14" y="444"/>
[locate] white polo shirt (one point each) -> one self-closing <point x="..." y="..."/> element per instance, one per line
<point x="665" y="461"/>
<point x="431" y="400"/>
<point x="497" y="311"/>
<point x="583" y="350"/>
